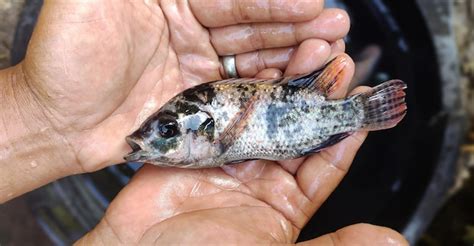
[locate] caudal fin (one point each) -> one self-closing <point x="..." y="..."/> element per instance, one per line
<point x="384" y="105"/>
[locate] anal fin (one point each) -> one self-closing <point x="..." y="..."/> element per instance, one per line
<point x="334" y="139"/>
<point x="239" y="161"/>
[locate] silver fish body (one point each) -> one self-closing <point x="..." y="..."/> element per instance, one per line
<point x="234" y="120"/>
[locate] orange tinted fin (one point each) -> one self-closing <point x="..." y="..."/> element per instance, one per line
<point x="326" y="79"/>
<point x="384" y="105"/>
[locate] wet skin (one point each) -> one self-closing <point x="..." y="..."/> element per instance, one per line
<point x="95" y="70"/>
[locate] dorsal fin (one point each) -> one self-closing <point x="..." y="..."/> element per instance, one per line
<point x="326" y="79"/>
<point x="247" y="81"/>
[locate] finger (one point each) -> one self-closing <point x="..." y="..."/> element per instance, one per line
<point x="337" y="48"/>
<point x="319" y="175"/>
<point x="269" y="73"/>
<point x="251" y="63"/>
<point x="215" y="13"/>
<point x="311" y="54"/>
<point x="330" y="25"/>
<point x="197" y="63"/>
<point x="360" y="234"/>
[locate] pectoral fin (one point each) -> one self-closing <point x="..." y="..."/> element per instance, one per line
<point x="237" y="125"/>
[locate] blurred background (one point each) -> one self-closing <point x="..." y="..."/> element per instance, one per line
<point x="416" y="178"/>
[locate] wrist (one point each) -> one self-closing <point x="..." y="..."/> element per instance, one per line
<point x="32" y="152"/>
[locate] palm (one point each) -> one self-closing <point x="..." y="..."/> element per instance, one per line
<point x="257" y="201"/>
<point x="109" y="67"/>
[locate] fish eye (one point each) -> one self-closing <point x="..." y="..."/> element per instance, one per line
<point x="168" y="128"/>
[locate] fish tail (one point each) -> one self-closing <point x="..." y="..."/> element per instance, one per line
<point x="384" y="105"/>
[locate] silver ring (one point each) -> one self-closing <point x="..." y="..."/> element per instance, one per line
<point x="230" y="69"/>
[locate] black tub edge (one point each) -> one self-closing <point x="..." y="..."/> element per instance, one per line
<point x="438" y="14"/>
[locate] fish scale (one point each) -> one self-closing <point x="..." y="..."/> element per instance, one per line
<point x="234" y="120"/>
<point x="282" y="130"/>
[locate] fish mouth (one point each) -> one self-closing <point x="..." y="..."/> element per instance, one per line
<point x="137" y="153"/>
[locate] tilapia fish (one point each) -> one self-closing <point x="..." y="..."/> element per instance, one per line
<point x="234" y="120"/>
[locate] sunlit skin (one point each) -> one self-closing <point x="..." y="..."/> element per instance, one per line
<point x="95" y="70"/>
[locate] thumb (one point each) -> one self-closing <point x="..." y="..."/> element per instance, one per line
<point x="359" y="234"/>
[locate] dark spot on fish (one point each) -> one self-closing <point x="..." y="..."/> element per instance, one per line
<point x="170" y="113"/>
<point x="225" y="116"/>
<point x="207" y="129"/>
<point x="347" y="106"/>
<point x="305" y="107"/>
<point x="276" y="117"/>
<point x="325" y="109"/>
<point x="272" y="95"/>
<point x="203" y="93"/>
<point x="186" y="108"/>
<point x="287" y="93"/>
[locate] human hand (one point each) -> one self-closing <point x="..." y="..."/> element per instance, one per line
<point x="105" y="68"/>
<point x="253" y="202"/>
<point x="95" y="69"/>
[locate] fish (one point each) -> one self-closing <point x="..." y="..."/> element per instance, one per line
<point x="235" y="120"/>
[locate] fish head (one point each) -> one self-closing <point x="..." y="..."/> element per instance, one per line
<point x="177" y="135"/>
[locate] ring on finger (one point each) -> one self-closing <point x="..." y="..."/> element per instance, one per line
<point x="229" y="65"/>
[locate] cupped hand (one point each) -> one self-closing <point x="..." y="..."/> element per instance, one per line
<point x="99" y="68"/>
<point x="247" y="203"/>
<point x="252" y="202"/>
